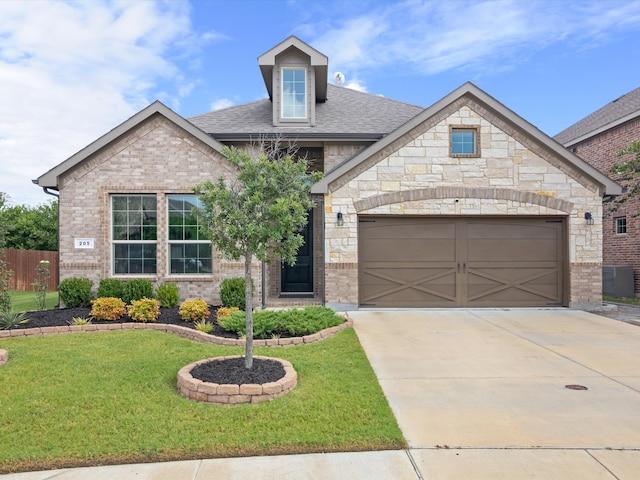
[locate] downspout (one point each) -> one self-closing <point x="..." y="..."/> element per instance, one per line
<point x="263" y="293"/>
<point x="324" y="255"/>
<point x="57" y="195"/>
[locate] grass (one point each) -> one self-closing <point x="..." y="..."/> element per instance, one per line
<point x="26" y="301"/>
<point x="89" y="399"/>
<point x="628" y="301"/>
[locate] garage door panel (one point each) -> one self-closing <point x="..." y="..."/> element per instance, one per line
<point x="513" y="251"/>
<point x="412" y="285"/>
<point x="411" y="250"/>
<point x="429" y="262"/>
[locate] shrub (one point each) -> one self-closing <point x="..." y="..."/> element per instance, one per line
<point x="194" y="310"/>
<point x="12" y="319"/>
<point x="232" y="292"/>
<point x="136" y="289"/>
<point x="272" y="323"/>
<point x="108" y="308"/>
<point x="203" y="326"/>
<point x="224" y="312"/>
<point x="144" y="310"/>
<point x="79" y="321"/>
<point x="76" y="292"/>
<point x="111" y="287"/>
<point x="168" y="294"/>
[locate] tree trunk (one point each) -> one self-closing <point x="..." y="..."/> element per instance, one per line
<point x="248" y="294"/>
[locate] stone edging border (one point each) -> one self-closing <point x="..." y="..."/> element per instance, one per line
<point x="198" y="390"/>
<point x="183" y="332"/>
<point x="4" y="357"/>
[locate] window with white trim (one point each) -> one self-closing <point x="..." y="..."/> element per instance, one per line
<point x="464" y="142"/>
<point x="134" y="234"/>
<point x="621" y="225"/>
<point x="294" y="93"/>
<point x="189" y="250"/>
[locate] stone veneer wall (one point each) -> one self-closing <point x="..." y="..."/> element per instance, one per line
<point x="157" y="158"/>
<point x="417" y="176"/>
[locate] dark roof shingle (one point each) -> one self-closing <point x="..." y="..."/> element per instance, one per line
<point x="345" y="113"/>
<point x="620" y="110"/>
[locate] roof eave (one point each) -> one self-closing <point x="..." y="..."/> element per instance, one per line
<point x="50" y="178"/>
<point x="602" y="129"/>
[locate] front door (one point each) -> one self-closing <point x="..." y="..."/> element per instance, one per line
<point x="298" y="278"/>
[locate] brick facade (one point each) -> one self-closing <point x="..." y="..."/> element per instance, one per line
<point x="600" y="151"/>
<point x="157" y="157"/>
<point x="512" y="176"/>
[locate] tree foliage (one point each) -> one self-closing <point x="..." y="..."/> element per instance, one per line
<point x="30" y="228"/>
<point x="628" y="175"/>
<point x="259" y="214"/>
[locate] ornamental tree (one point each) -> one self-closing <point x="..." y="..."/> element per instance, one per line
<point x="628" y="175"/>
<point x="258" y="214"/>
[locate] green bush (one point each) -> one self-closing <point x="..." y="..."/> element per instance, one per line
<point x="295" y="322"/>
<point x="232" y="292"/>
<point x="144" y="310"/>
<point x="110" y="287"/>
<point x="137" y="289"/>
<point x="108" y="308"/>
<point x="194" y="310"/>
<point x="76" y="292"/>
<point x="168" y="294"/>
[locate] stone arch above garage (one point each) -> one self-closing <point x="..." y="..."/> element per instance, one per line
<point x="463" y="192"/>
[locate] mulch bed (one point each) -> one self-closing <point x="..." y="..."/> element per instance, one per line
<point x="60" y="317"/>
<point x="233" y="371"/>
<point x="230" y="371"/>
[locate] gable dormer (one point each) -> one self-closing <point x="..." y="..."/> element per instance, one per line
<point x="295" y="75"/>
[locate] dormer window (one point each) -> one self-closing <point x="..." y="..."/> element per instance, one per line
<point x="294" y="93"/>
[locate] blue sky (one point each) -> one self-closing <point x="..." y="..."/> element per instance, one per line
<point x="64" y="83"/>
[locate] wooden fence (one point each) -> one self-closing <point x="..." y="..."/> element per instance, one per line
<point x="24" y="263"/>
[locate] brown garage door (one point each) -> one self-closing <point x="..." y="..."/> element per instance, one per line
<point x="461" y="262"/>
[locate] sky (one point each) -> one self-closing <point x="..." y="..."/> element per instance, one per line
<point x="70" y="71"/>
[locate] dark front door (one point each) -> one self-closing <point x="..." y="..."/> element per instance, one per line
<point x="298" y="278"/>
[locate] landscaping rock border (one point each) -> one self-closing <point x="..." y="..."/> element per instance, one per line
<point x="195" y="389"/>
<point x="184" y="332"/>
<point x="4" y="357"/>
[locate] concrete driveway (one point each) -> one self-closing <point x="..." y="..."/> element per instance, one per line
<point x="481" y="393"/>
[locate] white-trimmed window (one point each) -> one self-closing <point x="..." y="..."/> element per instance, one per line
<point x="294" y="93"/>
<point x="134" y="234"/>
<point x="621" y="225"/>
<point x="464" y="142"/>
<point x="189" y="250"/>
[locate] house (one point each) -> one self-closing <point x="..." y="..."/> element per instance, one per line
<point x="461" y="204"/>
<point x="597" y="139"/>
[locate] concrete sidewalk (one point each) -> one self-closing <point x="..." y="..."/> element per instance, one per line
<point x="479" y="394"/>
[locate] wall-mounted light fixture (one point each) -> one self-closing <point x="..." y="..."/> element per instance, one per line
<point x="589" y="218"/>
<point x="340" y="219"/>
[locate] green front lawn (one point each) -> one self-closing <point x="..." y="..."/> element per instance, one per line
<point x="87" y="399"/>
<point x="26" y="301"/>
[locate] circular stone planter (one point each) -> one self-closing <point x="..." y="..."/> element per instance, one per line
<point x="230" y="393"/>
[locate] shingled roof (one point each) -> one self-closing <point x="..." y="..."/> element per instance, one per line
<point x="621" y="110"/>
<point x="347" y="113"/>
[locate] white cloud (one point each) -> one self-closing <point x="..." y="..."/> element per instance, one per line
<point x="66" y="82"/>
<point x="429" y="37"/>
<point x="222" y="103"/>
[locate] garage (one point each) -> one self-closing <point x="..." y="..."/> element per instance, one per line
<point x="461" y="261"/>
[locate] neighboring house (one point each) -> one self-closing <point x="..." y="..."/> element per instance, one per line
<point x="461" y="204"/>
<point x="597" y="139"/>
